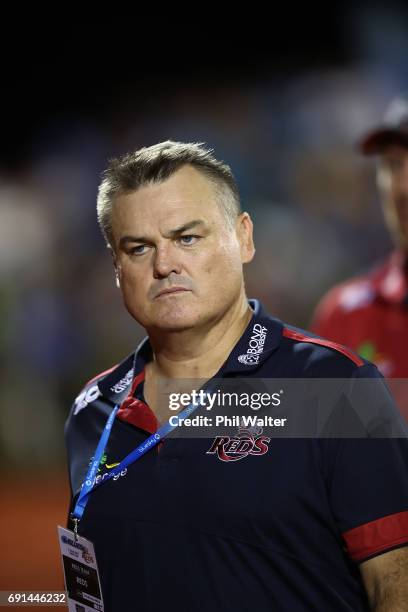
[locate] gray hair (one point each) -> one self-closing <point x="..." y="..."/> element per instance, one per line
<point x="154" y="164"/>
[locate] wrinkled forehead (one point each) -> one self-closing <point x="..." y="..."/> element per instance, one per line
<point x="185" y="196"/>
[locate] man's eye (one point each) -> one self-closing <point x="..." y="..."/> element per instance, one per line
<point x="138" y="250"/>
<point x="188" y="239"/>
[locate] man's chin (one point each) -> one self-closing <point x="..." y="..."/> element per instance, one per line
<point x="170" y="319"/>
<point x="170" y="326"/>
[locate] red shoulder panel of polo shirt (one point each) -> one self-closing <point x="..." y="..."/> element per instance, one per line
<point x="101" y="374"/>
<point x="377" y="536"/>
<point x="294" y="335"/>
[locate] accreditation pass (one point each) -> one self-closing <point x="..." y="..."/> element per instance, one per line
<point x="80" y="572"/>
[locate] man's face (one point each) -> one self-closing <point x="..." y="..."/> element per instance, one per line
<point x="178" y="261"/>
<point x="393" y="179"/>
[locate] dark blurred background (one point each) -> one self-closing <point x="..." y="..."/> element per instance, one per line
<point x="282" y="97"/>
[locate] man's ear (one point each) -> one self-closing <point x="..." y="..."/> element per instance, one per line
<point x="245" y="230"/>
<point x="117" y="278"/>
<point x="116" y="265"/>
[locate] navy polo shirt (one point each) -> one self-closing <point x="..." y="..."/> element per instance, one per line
<point x="280" y="529"/>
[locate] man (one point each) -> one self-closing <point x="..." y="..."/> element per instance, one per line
<point x="370" y="312"/>
<point x="199" y="524"/>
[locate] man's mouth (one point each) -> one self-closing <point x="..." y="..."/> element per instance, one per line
<point x="171" y="291"/>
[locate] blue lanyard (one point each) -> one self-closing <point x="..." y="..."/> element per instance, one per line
<point x="89" y="483"/>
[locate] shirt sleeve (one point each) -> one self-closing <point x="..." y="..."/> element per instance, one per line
<point x="368" y="480"/>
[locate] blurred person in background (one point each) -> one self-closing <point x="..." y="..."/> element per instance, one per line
<point x="369" y="313"/>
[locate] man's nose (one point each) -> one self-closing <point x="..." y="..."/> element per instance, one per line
<point x="166" y="260"/>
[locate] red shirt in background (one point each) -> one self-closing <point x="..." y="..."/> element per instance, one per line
<point x="370" y="315"/>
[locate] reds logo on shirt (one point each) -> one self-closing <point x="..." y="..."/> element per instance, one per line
<point x="234" y="448"/>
